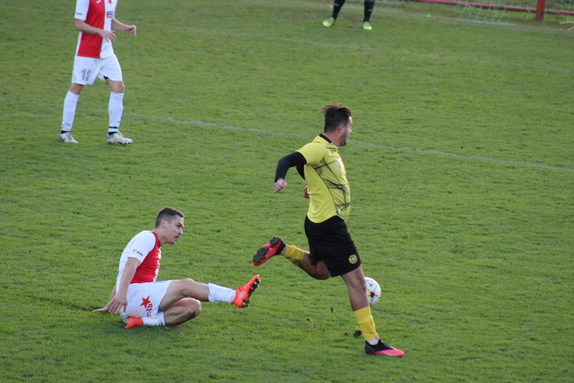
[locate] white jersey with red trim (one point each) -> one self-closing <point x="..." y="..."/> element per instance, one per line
<point x="146" y="248"/>
<point x="98" y="14"/>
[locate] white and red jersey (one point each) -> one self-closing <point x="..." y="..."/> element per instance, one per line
<point x="98" y="14"/>
<point x="145" y="247"/>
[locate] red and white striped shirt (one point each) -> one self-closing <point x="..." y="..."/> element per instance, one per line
<point x="98" y="14"/>
<point x="145" y="247"/>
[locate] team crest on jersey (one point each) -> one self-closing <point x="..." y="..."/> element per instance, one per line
<point x="353" y="259"/>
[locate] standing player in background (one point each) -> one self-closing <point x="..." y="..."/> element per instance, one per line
<point x="95" y="19"/>
<point x="338" y="4"/>
<point x="143" y="301"/>
<point x="332" y="251"/>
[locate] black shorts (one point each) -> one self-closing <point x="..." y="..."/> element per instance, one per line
<point x="331" y="242"/>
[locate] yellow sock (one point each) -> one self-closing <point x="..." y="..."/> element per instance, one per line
<point x="293" y="253"/>
<point x="366" y="323"/>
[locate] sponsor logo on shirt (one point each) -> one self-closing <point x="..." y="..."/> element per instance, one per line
<point x="110" y="14"/>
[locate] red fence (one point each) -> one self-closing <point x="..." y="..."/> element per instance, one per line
<point x="540" y="9"/>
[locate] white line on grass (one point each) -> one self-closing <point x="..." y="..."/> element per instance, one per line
<point x="143" y="117"/>
<point x="414" y="150"/>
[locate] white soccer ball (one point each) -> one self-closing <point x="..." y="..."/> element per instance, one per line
<point x="373" y="291"/>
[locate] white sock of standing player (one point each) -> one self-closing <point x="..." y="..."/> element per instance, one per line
<point x="70" y="103"/>
<point x="115" y="110"/>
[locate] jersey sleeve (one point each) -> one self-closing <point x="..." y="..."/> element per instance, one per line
<point x="293" y="159"/>
<point x="82" y="7"/>
<point x="313" y="152"/>
<point x="141" y="245"/>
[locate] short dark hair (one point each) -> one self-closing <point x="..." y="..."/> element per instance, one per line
<point x="335" y="115"/>
<point x="167" y="213"/>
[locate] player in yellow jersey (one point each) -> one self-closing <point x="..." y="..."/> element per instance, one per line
<point x="332" y="251"/>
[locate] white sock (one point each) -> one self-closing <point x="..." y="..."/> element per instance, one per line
<point x="157" y="320"/>
<point x="70" y="103"/>
<point x="115" y="109"/>
<point x="220" y="294"/>
<point x="373" y="341"/>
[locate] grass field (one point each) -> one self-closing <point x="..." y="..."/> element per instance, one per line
<point x="461" y="165"/>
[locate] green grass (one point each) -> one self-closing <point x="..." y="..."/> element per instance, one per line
<point x="461" y="167"/>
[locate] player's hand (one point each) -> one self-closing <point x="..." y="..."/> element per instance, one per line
<point x="103" y="309"/>
<point x="279" y="185"/>
<point x="132" y="30"/>
<point x="114" y="305"/>
<point x="305" y="193"/>
<point x="108" y="35"/>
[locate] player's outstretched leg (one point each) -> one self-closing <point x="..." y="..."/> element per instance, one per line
<point x="272" y="248"/>
<point x="244" y="292"/>
<point x="382" y="348"/>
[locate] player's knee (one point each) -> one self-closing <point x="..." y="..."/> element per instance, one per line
<point x="358" y="286"/>
<point x="117" y="87"/>
<point x="76" y="88"/>
<point x="188" y="282"/>
<point x="196" y="309"/>
<point x="188" y="286"/>
<point x="193" y="308"/>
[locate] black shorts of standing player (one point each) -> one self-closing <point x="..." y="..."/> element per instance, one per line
<point x="331" y="242"/>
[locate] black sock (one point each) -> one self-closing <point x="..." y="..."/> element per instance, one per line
<point x="369" y="5"/>
<point x="337" y="5"/>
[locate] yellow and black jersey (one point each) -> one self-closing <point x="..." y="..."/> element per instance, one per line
<point x="329" y="190"/>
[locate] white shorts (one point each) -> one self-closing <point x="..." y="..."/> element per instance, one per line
<point x="144" y="299"/>
<point x="86" y="69"/>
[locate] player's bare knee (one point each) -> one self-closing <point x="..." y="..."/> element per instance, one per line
<point x="196" y="309"/>
<point x="193" y="308"/>
<point x="76" y="88"/>
<point x="117" y="87"/>
<point x="188" y="286"/>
